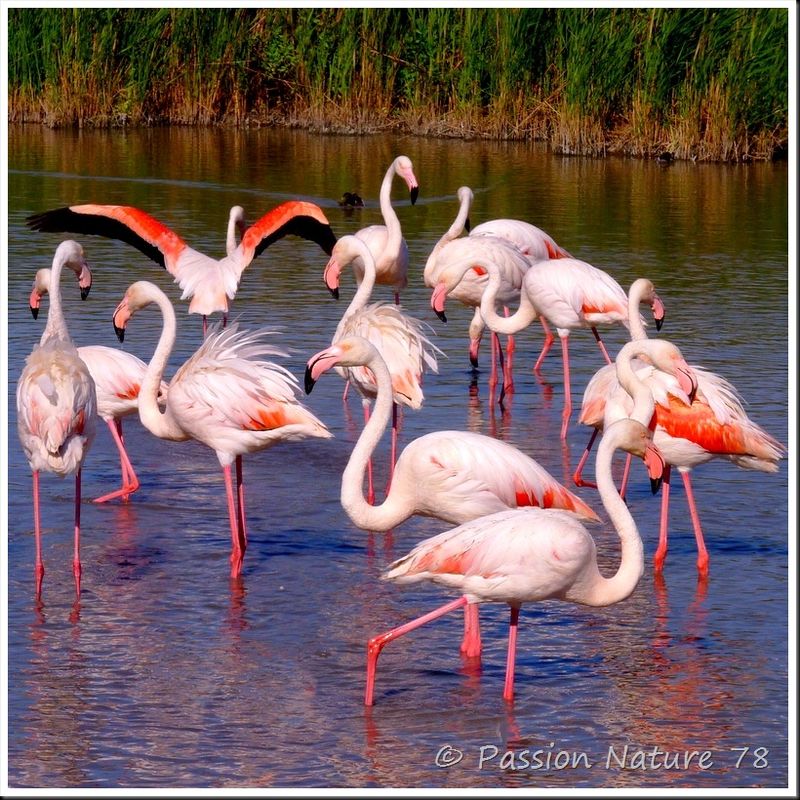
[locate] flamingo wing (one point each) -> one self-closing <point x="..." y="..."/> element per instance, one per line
<point x="124" y="223"/>
<point x="295" y="218"/>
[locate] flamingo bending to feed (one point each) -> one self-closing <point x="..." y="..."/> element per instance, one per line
<point x="399" y="338"/>
<point x="455" y="476"/>
<point x="470" y="260"/>
<point x="208" y="282"/>
<point x="57" y="407"/>
<point x="224" y="396"/>
<point x="604" y="382"/>
<point x="529" y="555"/>
<point x="117" y="376"/>
<point x="709" y="423"/>
<point x="386" y="242"/>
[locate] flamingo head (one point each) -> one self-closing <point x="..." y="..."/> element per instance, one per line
<point x="137" y="296"/>
<point x="404" y="168"/>
<point x="658" y="310"/>
<point x="474" y="344"/>
<point x="438" y="300"/>
<point x="41" y="285"/>
<point x="352" y="351"/>
<point x="333" y="269"/>
<point x="656" y="465"/>
<point x="637" y="439"/>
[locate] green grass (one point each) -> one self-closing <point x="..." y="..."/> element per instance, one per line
<point x="703" y="83"/>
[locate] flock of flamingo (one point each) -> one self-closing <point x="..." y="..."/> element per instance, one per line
<point x="520" y="534"/>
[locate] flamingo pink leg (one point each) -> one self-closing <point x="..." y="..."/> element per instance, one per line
<point x="394" y="447"/>
<point x="377" y="643"/>
<point x="397" y="298"/>
<point x="130" y="483"/>
<point x="601" y="345"/>
<point x="548" y="342"/>
<point x="702" y="553"/>
<point x="76" y="556"/>
<point x="471" y="644"/>
<point x="508" y="688"/>
<point x="205" y="326"/>
<point x="346" y="389"/>
<point x="238" y="545"/>
<point x="493" y="372"/>
<point x="567" y="412"/>
<point x="661" y="550"/>
<point x="625" y="475"/>
<point x="240" y="499"/>
<point x="38" y="569"/>
<point x="579" y="481"/>
<point x="508" y="376"/>
<point x="370" y="487"/>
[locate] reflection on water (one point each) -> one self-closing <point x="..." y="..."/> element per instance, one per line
<point x="166" y="673"/>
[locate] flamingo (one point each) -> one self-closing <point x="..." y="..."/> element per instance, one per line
<point x="57" y="407"/>
<point x="536" y="245"/>
<point x="529" y="555"/>
<point x="604" y="381"/>
<point x="208" y="282"/>
<point x="455" y="476"/>
<point x="224" y="396"/>
<point x="117" y="376"/>
<point x="386" y="242"/>
<point x="709" y="423"/>
<point x="572" y="295"/>
<point x="399" y="337"/>
<point x="470" y="260"/>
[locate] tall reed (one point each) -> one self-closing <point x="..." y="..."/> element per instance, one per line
<point x="708" y="83"/>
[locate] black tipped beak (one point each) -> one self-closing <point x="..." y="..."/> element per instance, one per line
<point x="34" y="312"/>
<point x="659" y="323"/>
<point x="474" y="361"/>
<point x="414" y="195"/>
<point x="334" y="292"/>
<point x="120" y="333"/>
<point x="442" y="316"/>
<point x="85" y="292"/>
<point x="308" y="381"/>
<point x="655" y="485"/>
<point x="467" y="225"/>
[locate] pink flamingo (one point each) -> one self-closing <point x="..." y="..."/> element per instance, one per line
<point x="117" y="376"/>
<point x="399" y="337"/>
<point x="386" y="242"/>
<point x="709" y="423"/>
<point x="451" y="475"/>
<point x="529" y="555"/>
<point x="224" y="396"/>
<point x="604" y="381"/>
<point x="208" y="282"/>
<point x="57" y="407"/>
<point x="470" y="260"/>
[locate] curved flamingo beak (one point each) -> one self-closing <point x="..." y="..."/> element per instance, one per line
<point x="414" y="194"/>
<point x="656" y="465"/>
<point x="438" y="299"/>
<point x="658" y="311"/>
<point x="119" y="319"/>
<point x="319" y="363"/>
<point x="687" y="380"/>
<point x="331" y="277"/>
<point x="474" y="344"/>
<point x="34" y="303"/>
<point x="85" y="281"/>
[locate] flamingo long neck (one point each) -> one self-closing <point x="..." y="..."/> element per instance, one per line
<point x="521" y="318"/>
<point x="162" y="424"/>
<point x="394" y="234"/>
<point x="634" y="317"/>
<point x="364" y="291"/>
<point x="607" y="591"/>
<point x="235" y="224"/>
<point x="56" y="327"/>
<point x="643" y="402"/>
<point x="389" y="513"/>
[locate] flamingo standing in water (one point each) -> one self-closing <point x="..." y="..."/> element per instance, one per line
<point x="604" y="382"/>
<point x="528" y="555"/>
<point x="117" y="376"/>
<point x="386" y="242"/>
<point x="710" y="423"/>
<point x="399" y="338"/>
<point x="208" y="282"/>
<point x="451" y="475"/>
<point x="224" y="396"/>
<point x="57" y="407"/>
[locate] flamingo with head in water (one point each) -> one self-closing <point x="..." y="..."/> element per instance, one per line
<point x="208" y="283"/>
<point x="529" y="555"/>
<point x="57" y="406"/>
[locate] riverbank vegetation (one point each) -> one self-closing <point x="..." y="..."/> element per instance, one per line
<point x="700" y="83"/>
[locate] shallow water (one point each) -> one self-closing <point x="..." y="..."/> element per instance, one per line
<point x="167" y="674"/>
